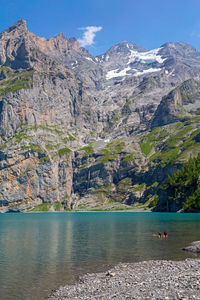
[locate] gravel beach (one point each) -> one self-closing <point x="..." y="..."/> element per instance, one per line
<point x="144" y="280"/>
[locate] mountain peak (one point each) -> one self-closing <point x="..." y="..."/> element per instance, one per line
<point x="60" y="36"/>
<point x="125" y="47"/>
<point x="20" y="22"/>
<point x="178" y="48"/>
<point x="19" y="26"/>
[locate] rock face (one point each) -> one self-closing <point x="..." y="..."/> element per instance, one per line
<point x="178" y="104"/>
<point x="83" y="131"/>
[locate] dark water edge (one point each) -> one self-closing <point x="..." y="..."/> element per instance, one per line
<point x="39" y="251"/>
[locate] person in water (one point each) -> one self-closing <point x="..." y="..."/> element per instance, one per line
<point x="165" y="234"/>
<point x="159" y="235"/>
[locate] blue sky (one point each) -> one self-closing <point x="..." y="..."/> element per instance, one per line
<point x="148" y="23"/>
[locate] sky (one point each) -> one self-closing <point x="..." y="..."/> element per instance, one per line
<point x="100" y="24"/>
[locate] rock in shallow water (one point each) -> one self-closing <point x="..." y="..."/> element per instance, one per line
<point x="194" y="247"/>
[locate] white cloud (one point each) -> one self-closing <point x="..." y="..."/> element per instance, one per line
<point x="89" y="35"/>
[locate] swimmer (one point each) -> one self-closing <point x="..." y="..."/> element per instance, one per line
<point x="165" y="234"/>
<point x="159" y="235"/>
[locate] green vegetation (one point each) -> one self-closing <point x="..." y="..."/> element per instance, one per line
<point x="113" y="147"/>
<point x="108" y="157"/>
<point x="170" y="142"/>
<point x="51" y="129"/>
<point x="65" y="200"/>
<point x="193" y="202"/>
<point x="186" y="95"/>
<point x="65" y="140"/>
<point x="128" y="157"/>
<point x="168" y="157"/>
<point x="52" y="147"/>
<point x="57" y="206"/>
<point x="71" y="137"/>
<point x="116" y="119"/>
<point x="37" y="148"/>
<point x="106" y="187"/>
<point x="193" y="120"/>
<point x="50" y="144"/>
<point x="155" y="184"/>
<point x="18" y="204"/>
<point x="45" y="158"/>
<point x="84" y="166"/>
<point x="22" y="124"/>
<point x="183" y="187"/>
<point x="146" y="147"/>
<point x="16" y="81"/>
<point x="181" y="114"/>
<point x="87" y="149"/>
<point x="174" y="139"/>
<point x="154" y="137"/>
<point x="22" y="136"/>
<point x="69" y="209"/>
<point x="138" y="187"/>
<point x="41" y="207"/>
<point x="7" y="70"/>
<point x="111" y="150"/>
<point x="152" y="202"/>
<point x="178" y="145"/>
<point x="2" y="146"/>
<point x="64" y="151"/>
<point x="101" y="196"/>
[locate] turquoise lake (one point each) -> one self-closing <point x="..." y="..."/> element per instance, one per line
<point x="41" y="251"/>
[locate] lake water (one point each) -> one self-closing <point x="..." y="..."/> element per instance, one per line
<point x="40" y="251"/>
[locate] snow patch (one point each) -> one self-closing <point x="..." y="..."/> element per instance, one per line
<point x="122" y="73"/>
<point x="150" y="70"/>
<point x="88" y="58"/>
<point x="107" y="57"/>
<point x="147" y="57"/>
<point x="117" y="73"/>
<point x="74" y="63"/>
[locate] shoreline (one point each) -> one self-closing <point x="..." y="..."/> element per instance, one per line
<point x="100" y="211"/>
<point x="131" y="209"/>
<point x="153" y="279"/>
<point x="137" y="209"/>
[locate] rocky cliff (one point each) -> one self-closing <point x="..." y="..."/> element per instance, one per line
<point x="84" y="132"/>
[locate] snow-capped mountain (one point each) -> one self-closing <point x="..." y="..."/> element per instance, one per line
<point x="71" y="123"/>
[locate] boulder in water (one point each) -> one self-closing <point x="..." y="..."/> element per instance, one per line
<point x="194" y="247"/>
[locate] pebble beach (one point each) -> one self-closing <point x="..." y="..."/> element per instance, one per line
<point x="150" y="280"/>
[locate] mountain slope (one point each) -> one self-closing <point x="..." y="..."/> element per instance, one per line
<point x="83" y="132"/>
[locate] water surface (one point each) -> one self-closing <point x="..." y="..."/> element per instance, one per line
<point x="40" y="251"/>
